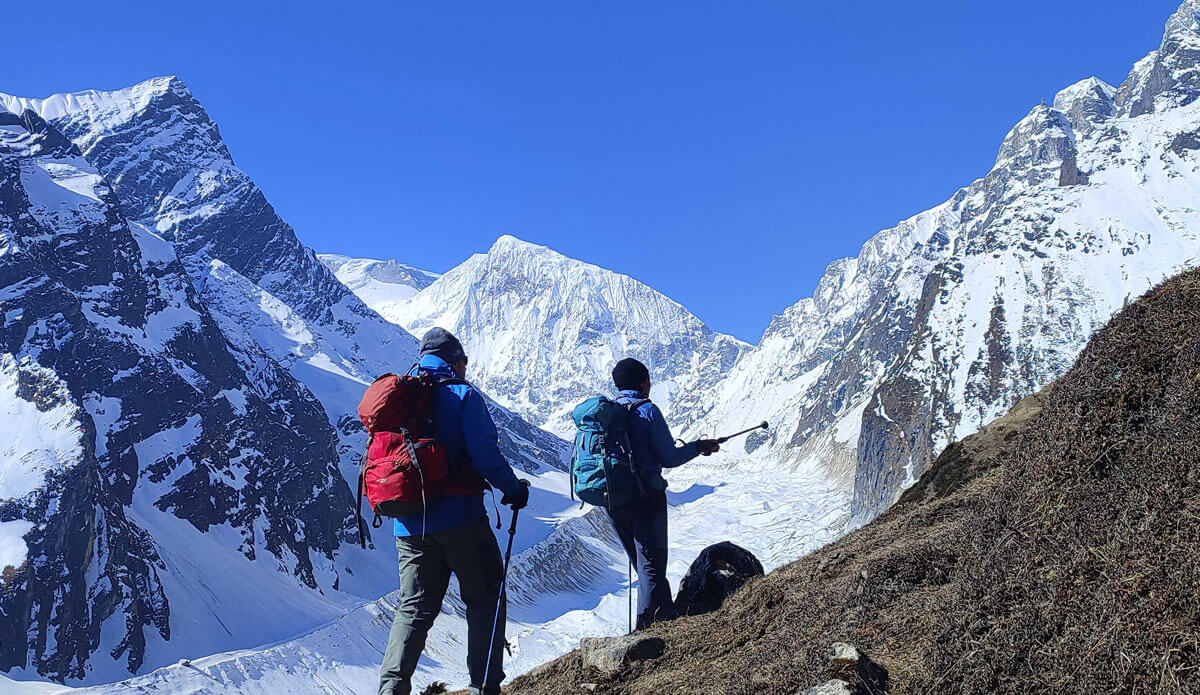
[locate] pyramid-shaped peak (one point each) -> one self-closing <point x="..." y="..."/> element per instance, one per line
<point x="1091" y="88"/>
<point x="1087" y="103"/>
<point x="506" y="243"/>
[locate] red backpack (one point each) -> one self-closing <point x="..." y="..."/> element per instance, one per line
<point x="405" y="466"/>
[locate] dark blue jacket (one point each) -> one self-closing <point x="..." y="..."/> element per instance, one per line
<point x="653" y="446"/>
<point x="465" y="427"/>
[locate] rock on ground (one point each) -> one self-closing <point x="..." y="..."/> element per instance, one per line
<point x="611" y="654"/>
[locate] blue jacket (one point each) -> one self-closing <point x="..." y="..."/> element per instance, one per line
<point x="653" y="446"/>
<point x="465" y="427"/>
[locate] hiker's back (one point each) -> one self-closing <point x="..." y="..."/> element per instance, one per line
<point x="643" y="414"/>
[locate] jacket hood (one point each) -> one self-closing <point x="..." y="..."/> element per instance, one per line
<point x="435" y="365"/>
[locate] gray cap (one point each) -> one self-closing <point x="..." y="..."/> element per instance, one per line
<point x="442" y="343"/>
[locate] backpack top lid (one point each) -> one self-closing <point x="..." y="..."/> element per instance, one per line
<point x="392" y="402"/>
<point x="600" y="414"/>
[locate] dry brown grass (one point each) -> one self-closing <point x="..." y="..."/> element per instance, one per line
<point x="1056" y="551"/>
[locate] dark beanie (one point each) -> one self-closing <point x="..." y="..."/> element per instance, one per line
<point x="630" y="374"/>
<point x="442" y="343"/>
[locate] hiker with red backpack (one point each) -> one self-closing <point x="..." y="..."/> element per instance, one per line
<point x="433" y="451"/>
<point x="621" y="449"/>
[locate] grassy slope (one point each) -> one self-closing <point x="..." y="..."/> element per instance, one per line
<point x="1058" y="550"/>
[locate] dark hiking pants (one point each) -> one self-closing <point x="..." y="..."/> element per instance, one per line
<point x="471" y="553"/>
<point x="642" y="527"/>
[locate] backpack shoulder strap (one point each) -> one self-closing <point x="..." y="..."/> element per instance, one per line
<point x="631" y="408"/>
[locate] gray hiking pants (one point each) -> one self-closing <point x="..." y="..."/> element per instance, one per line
<point x="471" y="553"/>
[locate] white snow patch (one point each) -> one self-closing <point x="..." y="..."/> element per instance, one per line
<point x="33" y="442"/>
<point x="12" y="543"/>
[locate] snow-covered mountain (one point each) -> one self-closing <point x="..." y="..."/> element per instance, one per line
<point x="377" y="282"/>
<point x="139" y="266"/>
<point x="199" y="369"/>
<point x="141" y="458"/>
<point x="941" y="323"/>
<point x="543" y="330"/>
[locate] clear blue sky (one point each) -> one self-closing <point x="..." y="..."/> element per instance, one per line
<point x="722" y="152"/>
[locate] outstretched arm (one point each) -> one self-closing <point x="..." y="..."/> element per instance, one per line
<point x="662" y="444"/>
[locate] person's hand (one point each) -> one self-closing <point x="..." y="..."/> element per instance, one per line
<point x="708" y="447"/>
<point x="518" y="499"/>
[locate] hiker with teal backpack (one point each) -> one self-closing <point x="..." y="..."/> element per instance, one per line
<point x="621" y="448"/>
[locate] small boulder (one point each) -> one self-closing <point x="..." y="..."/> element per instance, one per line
<point x="609" y="655"/>
<point x="720" y="570"/>
<point x="830" y="687"/>
<point x="848" y="663"/>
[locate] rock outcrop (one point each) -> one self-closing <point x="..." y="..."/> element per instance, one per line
<point x="719" y="571"/>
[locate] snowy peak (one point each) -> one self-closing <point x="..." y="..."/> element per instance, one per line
<point x="105" y="336"/>
<point x="379" y="284"/>
<point x="1044" y="137"/>
<point x="1170" y="76"/>
<point x="507" y="243"/>
<point x="517" y="255"/>
<point x="943" y="321"/>
<point x="95" y="102"/>
<point x="351" y="270"/>
<point x="214" y="366"/>
<point x="1087" y="103"/>
<point x="544" y="330"/>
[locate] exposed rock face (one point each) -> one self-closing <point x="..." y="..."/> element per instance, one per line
<point x="1170" y="76"/>
<point x="1087" y="104"/>
<point x="714" y="575"/>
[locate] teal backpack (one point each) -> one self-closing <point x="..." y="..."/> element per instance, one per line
<point x="603" y="472"/>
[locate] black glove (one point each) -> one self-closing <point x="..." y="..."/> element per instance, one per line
<point x="708" y="447"/>
<point x="518" y="499"/>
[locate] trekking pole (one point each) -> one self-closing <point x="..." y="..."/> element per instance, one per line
<point x="762" y="426"/>
<point x="512" y="533"/>
<point x="629" y="590"/>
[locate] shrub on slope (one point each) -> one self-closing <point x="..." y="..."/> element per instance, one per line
<point x="1058" y="550"/>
